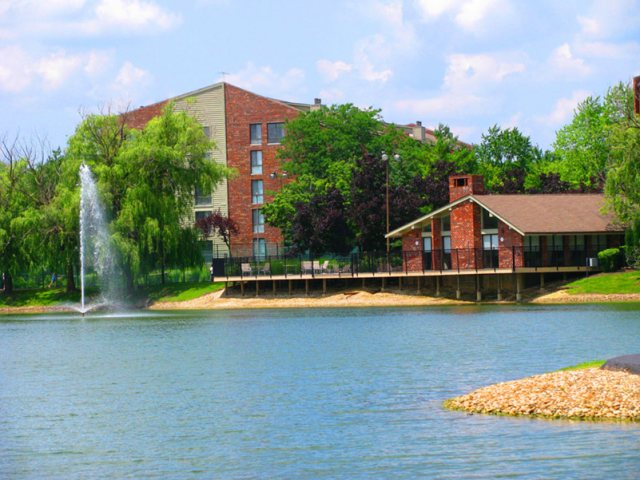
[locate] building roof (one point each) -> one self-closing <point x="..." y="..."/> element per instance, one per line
<point x="537" y="214"/>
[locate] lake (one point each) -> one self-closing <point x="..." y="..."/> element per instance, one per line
<point x="301" y="394"/>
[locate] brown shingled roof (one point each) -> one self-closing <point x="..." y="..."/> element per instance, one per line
<point x="554" y="214"/>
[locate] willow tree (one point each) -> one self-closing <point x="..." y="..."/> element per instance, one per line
<point x="146" y="180"/>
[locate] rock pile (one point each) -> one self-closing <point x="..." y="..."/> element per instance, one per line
<point x="590" y="393"/>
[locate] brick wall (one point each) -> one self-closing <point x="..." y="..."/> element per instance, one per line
<point x="412" y="252"/>
<point x="139" y="118"/>
<point x="508" y="254"/>
<point x="436" y="242"/>
<point x="474" y="185"/>
<point x="466" y="238"/>
<point x="242" y="109"/>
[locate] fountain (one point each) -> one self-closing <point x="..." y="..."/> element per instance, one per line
<point x="95" y="246"/>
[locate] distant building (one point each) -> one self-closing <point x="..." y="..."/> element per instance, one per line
<point x="247" y="129"/>
<point x="478" y="231"/>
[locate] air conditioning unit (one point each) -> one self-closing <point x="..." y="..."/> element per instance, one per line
<point x="592" y="262"/>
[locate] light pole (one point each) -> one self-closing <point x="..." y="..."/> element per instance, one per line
<point x="385" y="159"/>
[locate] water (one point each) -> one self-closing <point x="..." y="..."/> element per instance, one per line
<point x="95" y="245"/>
<point x="301" y="394"/>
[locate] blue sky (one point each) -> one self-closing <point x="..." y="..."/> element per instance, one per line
<point x="467" y="63"/>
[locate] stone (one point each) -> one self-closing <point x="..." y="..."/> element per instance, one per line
<point x="624" y="363"/>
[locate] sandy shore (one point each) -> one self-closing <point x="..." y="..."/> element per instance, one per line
<point x="356" y="298"/>
<point x="590" y="393"/>
<point x="217" y="300"/>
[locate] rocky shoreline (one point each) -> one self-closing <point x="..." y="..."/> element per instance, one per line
<point x="587" y="394"/>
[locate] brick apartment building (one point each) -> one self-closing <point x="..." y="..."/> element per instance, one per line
<point x="478" y="231"/>
<point x="247" y="129"/>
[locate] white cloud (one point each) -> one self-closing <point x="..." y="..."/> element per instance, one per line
<point x="131" y="76"/>
<point x="590" y="26"/>
<point x="473" y="12"/>
<point x="564" y="109"/>
<point x="266" y="79"/>
<point x="71" y="18"/>
<point x="606" y="18"/>
<point x="132" y="14"/>
<point x="432" y="9"/>
<point x="563" y="60"/>
<point x="332" y="70"/>
<point x="365" y="49"/>
<point x="56" y="69"/>
<point x="474" y="72"/>
<point x="15" y="66"/>
<point x="98" y="62"/>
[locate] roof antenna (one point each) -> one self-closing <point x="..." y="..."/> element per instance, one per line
<point x="223" y="75"/>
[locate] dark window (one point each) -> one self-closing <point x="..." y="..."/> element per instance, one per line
<point x="207" y="132"/>
<point x="258" y="221"/>
<point x="256" y="162"/>
<point x="202" y="199"/>
<point x="446" y="224"/>
<point x="255" y="130"/>
<point x="200" y="215"/>
<point x="257" y="193"/>
<point x="427" y="228"/>
<point x="488" y="220"/>
<point x="461" y="182"/>
<point x="275" y="132"/>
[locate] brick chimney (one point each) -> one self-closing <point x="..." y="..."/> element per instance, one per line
<point x="461" y="185"/>
<point x="419" y="133"/>
<point x="317" y="104"/>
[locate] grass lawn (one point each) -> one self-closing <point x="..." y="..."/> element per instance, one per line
<point x="626" y="282"/>
<point x="178" y="292"/>
<point x="175" y="292"/>
<point x="38" y="297"/>
<point x="580" y="366"/>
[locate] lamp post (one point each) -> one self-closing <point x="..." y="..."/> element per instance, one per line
<point x="385" y="159"/>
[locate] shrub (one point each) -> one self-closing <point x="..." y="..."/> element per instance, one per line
<point x="609" y="259"/>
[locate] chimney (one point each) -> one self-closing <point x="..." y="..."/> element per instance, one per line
<point x="418" y="132"/>
<point x="462" y="185"/>
<point x="317" y="104"/>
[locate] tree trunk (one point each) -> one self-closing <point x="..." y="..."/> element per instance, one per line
<point x="71" y="279"/>
<point x="162" y="265"/>
<point x="8" y="283"/>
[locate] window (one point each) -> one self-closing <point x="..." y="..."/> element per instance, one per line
<point x="255" y="131"/>
<point x="446" y="244"/>
<point x="256" y="162"/>
<point x="426" y="244"/>
<point x="258" y="221"/>
<point x="446" y="224"/>
<point x="204" y="214"/>
<point x="532" y="243"/>
<point x="275" y="132"/>
<point x="489" y="222"/>
<point x="207" y="131"/>
<point x="259" y="247"/>
<point x="490" y="242"/>
<point x="427" y="228"/>
<point x="202" y="199"/>
<point x="257" y="193"/>
<point x="461" y="182"/>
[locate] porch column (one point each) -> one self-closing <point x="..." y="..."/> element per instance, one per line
<point x="478" y="289"/>
<point x="458" y="292"/>
<point x="518" y="287"/>
<point x="499" y="287"/>
<point x="437" y="286"/>
<point x="542" y="282"/>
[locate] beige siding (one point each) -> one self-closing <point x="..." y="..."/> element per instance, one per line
<point x="209" y="109"/>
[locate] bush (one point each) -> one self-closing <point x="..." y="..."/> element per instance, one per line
<point x="609" y="259"/>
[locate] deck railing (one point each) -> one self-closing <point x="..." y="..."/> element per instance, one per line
<point x="373" y="263"/>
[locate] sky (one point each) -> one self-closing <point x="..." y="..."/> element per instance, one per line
<point x="469" y="64"/>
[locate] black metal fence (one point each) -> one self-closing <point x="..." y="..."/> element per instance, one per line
<point x="256" y="266"/>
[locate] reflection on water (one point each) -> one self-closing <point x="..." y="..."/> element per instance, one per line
<point x="334" y="393"/>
